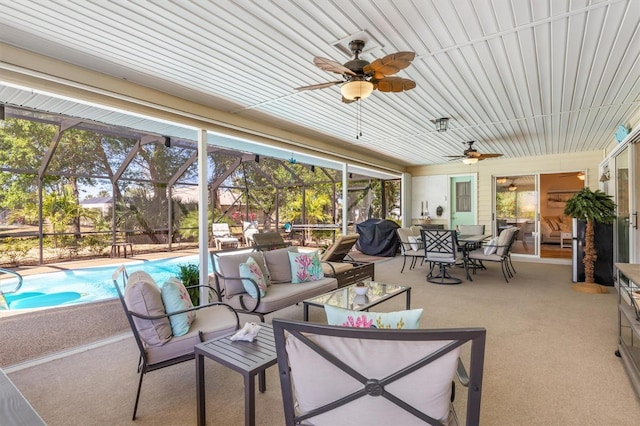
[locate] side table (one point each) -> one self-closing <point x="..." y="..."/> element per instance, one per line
<point x="565" y="236"/>
<point x="247" y="358"/>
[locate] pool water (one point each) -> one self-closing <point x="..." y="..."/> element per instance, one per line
<point x="86" y="284"/>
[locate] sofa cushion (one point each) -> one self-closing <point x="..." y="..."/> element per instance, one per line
<point x="251" y="269"/>
<point x="409" y="319"/>
<point x="143" y="296"/>
<point x="175" y="297"/>
<point x="281" y="296"/>
<point x="305" y="267"/>
<point x="277" y="262"/>
<point x="229" y="266"/>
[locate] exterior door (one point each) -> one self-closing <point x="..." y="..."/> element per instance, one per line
<point x="627" y="178"/>
<point x="463" y="201"/>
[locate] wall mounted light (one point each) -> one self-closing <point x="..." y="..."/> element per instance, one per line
<point x="581" y="176"/>
<point x="257" y="158"/>
<point x="167" y="141"/>
<point x="604" y="177"/>
<point x="470" y="160"/>
<point x="441" y="124"/>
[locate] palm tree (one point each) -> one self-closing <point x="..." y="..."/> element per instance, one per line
<point x="592" y="207"/>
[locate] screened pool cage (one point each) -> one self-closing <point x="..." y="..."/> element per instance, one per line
<point x="70" y="188"/>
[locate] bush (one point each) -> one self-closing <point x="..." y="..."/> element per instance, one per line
<point x="14" y="249"/>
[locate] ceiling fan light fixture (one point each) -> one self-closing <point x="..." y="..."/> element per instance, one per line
<point x="441" y="124"/>
<point x="501" y="180"/>
<point x="512" y="187"/>
<point x="357" y="89"/>
<point x="470" y="160"/>
<point x="581" y="176"/>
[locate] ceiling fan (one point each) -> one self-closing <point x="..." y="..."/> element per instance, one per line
<point x="360" y="77"/>
<point x="471" y="155"/>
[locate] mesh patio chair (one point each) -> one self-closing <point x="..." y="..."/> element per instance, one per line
<point x="333" y="375"/>
<point x="151" y="326"/>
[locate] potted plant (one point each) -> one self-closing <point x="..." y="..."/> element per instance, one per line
<point x="189" y="274"/>
<point x="592" y="207"/>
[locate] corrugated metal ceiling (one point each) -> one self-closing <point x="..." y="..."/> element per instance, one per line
<point x="521" y="77"/>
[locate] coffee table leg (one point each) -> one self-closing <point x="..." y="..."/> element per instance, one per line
<point x="249" y="400"/>
<point x="305" y="312"/>
<point x="409" y="298"/>
<point x="201" y="409"/>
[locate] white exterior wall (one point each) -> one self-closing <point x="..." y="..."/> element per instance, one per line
<point x="486" y="169"/>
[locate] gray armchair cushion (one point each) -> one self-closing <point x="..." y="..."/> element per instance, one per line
<point x="143" y="296"/>
<point x="212" y="322"/>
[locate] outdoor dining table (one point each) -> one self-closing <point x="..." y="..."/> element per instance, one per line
<point x="469" y="242"/>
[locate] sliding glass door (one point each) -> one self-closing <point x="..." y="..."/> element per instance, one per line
<point x="516" y="204"/>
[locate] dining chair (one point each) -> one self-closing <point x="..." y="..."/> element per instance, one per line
<point x="500" y="252"/>
<point x="410" y="247"/>
<point x="441" y="251"/>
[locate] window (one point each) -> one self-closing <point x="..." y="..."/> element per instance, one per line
<point x="463" y="196"/>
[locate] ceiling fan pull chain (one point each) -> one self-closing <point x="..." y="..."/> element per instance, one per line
<point x="359" y="120"/>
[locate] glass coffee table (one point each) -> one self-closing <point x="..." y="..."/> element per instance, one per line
<point x="347" y="298"/>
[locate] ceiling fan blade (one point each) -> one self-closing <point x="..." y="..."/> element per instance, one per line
<point x="395" y="84"/>
<point x="331" y="66"/>
<point x="319" y="86"/>
<point x="484" y="156"/>
<point x="390" y="64"/>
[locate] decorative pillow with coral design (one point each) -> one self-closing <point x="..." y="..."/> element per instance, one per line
<point x="175" y="297"/>
<point x="252" y="270"/>
<point x="401" y="319"/>
<point x="305" y="267"/>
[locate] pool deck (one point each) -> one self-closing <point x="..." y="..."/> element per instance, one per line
<point x="100" y="261"/>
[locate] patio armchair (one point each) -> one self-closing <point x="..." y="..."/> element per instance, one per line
<point x="497" y="251"/>
<point x="222" y="236"/>
<point x="333" y="375"/>
<point x="146" y="307"/>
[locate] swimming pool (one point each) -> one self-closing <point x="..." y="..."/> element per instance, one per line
<point x="86" y="284"/>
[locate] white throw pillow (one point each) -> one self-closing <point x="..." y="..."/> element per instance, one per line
<point x="414" y="242"/>
<point x="491" y="246"/>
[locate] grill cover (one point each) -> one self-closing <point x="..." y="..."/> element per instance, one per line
<point x="378" y="237"/>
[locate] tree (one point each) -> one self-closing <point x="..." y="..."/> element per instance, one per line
<point x="592" y="207"/>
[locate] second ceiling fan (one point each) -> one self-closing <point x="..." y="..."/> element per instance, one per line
<point x="471" y="155"/>
<point x="360" y="77"/>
